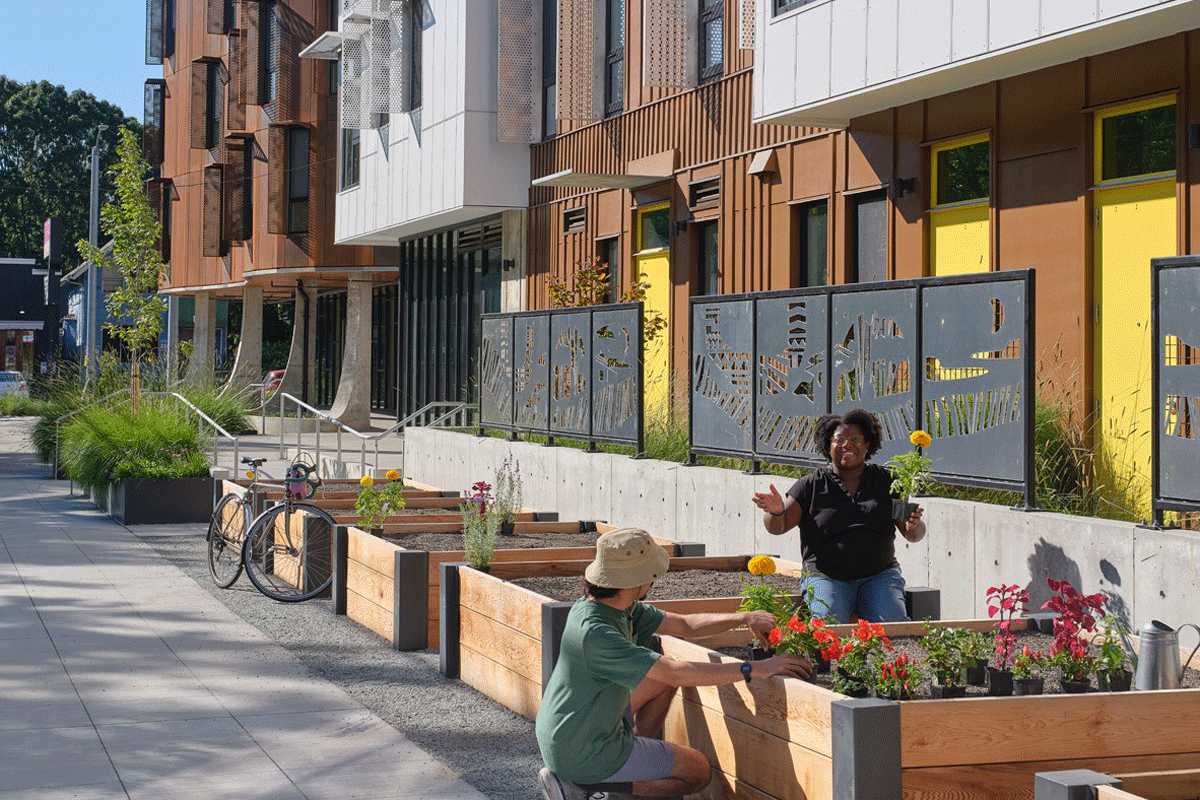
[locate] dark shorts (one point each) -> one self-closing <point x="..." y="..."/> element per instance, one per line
<point x="651" y="760"/>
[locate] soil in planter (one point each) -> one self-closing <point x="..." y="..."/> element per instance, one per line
<point x="453" y="542"/>
<point x="689" y="583"/>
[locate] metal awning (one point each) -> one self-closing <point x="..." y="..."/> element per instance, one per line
<point x="598" y="180"/>
<point x="327" y="47"/>
<point x="21" y="325"/>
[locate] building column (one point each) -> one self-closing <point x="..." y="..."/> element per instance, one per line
<point x="300" y="374"/>
<point x="200" y="367"/>
<point x="513" y="226"/>
<point x="247" y="367"/>
<point x="352" y="405"/>
<point x="172" y="340"/>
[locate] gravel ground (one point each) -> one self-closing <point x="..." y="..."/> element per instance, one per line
<point x="492" y="748"/>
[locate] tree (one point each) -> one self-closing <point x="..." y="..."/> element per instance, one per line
<point x="46" y="137"/>
<point x="133" y="227"/>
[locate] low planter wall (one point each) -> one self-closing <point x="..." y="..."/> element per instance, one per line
<point x="270" y="426"/>
<point x="150" y="501"/>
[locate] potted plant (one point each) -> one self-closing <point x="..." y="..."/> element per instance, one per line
<point x="1027" y="669"/>
<point x="1111" y="673"/>
<point x="975" y="646"/>
<point x="1076" y="614"/>
<point x="858" y="657"/>
<point x="507" y="496"/>
<point x="804" y="637"/>
<point x="481" y="525"/>
<point x="910" y="475"/>
<point x="893" y="680"/>
<point x="946" y="661"/>
<point x="763" y="595"/>
<point x="373" y="505"/>
<point x="1004" y="601"/>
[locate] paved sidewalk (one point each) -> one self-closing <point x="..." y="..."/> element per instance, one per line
<point x="120" y="677"/>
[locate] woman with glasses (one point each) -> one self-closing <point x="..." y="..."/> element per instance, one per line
<point x="847" y="534"/>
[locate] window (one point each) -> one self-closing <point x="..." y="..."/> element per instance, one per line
<point x="610" y="258"/>
<point x="248" y="188"/>
<point x="708" y="258"/>
<point x="213" y="105"/>
<point x="269" y="53"/>
<point x="297" y="181"/>
<point x="335" y="75"/>
<point x="349" y="154"/>
<point x="227" y="15"/>
<point x="168" y="28"/>
<point x="962" y="171"/>
<point x="656" y="229"/>
<point x="614" y="58"/>
<point x="813" y="245"/>
<point x="549" y="67"/>
<point x="787" y="5"/>
<point x="870" y="237"/>
<point x="712" y="38"/>
<point x="1135" y="143"/>
<point x="165" y="214"/>
<point x="417" y="27"/>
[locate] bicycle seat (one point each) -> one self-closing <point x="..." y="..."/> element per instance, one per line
<point x="254" y="462"/>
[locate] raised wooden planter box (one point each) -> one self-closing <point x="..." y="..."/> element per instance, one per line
<point x="151" y="501"/>
<point x="787" y="738"/>
<point x="394" y="591"/>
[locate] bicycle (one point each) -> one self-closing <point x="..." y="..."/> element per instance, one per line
<point x="285" y="550"/>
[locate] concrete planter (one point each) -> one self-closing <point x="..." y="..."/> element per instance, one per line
<point x="151" y="501"/>
<point x="272" y="425"/>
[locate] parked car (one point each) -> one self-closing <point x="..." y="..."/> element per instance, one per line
<point x="271" y="382"/>
<point x="12" y="382"/>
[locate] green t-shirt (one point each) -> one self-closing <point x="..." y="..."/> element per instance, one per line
<point x="581" y="725"/>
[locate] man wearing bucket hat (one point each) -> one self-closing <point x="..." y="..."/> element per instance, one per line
<point x="609" y="692"/>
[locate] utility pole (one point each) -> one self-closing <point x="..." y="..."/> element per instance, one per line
<point x="95" y="285"/>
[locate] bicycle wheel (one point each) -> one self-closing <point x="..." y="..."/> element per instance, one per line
<point x="226" y="531"/>
<point x="288" y="552"/>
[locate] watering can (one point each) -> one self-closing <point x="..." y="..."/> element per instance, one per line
<point x="1158" y="656"/>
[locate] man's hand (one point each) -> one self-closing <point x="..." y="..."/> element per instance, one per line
<point x="788" y="666"/>
<point x="760" y="623"/>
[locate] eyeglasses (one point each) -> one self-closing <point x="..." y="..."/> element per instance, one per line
<point x="855" y="440"/>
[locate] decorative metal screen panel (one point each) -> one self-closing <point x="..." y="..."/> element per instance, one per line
<point x="668" y="44"/>
<point x="517" y="77"/>
<point x="152" y="121"/>
<point x="831" y="349"/>
<point x="576" y="87"/>
<point x="791" y="373"/>
<point x="496" y="373"/>
<point x="873" y="347"/>
<point x="574" y="373"/>
<point x="531" y="372"/>
<point x="570" y="374"/>
<point x="746" y="24"/>
<point x="1177" y="384"/>
<point x="721" y="359"/>
<point x="212" y="236"/>
<point x="379" y="77"/>
<point x="235" y="92"/>
<point x="155" y="16"/>
<point x="251" y="17"/>
<point x="215" y="16"/>
<point x="197" y="106"/>
<point x="234" y="190"/>
<point x="277" y="166"/>
<point x="973" y="379"/>
<point x="355" y="112"/>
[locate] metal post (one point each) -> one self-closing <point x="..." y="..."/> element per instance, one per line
<point x="1070" y="784"/>
<point x="94" y="286"/>
<point x="1156" y="511"/>
<point x="1030" y="399"/>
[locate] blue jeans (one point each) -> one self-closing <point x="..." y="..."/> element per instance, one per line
<point x="875" y="598"/>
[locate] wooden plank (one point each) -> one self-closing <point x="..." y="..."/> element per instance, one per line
<point x="1113" y="793"/>
<point x="506" y="646"/>
<point x="368" y="583"/>
<point x="506" y="687"/>
<point x="369" y="615"/>
<point x="377" y="554"/>
<point x="725" y="787"/>
<point x="514" y="606"/>
<point x="784" y="707"/>
<point x="766" y="763"/>
<point x="531" y="569"/>
<point x="410" y="496"/>
<point x="1015" y="781"/>
<point x="985" y="730"/>
<point x="401" y="528"/>
<point x="1169" y="784"/>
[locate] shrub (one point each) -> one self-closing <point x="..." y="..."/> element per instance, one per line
<point x="12" y="405"/>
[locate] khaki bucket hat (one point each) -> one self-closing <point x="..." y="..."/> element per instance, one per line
<point x="626" y="558"/>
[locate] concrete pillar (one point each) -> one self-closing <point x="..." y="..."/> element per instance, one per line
<point x="352" y="404"/>
<point x="247" y="368"/>
<point x="513" y="228"/>
<point x="302" y="355"/>
<point x="200" y="367"/>
<point x="172" y="342"/>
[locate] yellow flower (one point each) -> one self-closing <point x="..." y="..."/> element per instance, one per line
<point x="250" y="474"/>
<point x="393" y="475"/>
<point x="761" y="565"/>
<point x="920" y="438"/>
<point x="365" y="481"/>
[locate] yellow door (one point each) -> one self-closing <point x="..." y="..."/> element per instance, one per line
<point x="1135" y="221"/>
<point x="959" y="228"/>
<point x="958" y="241"/>
<point x="652" y="264"/>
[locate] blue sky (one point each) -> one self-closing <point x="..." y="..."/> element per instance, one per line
<point x="95" y="45"/>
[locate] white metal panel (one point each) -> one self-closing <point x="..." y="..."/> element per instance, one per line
<point x="485" y="25"/>
<point x="882" y="35"/>
<point x="1013" y="22"/>
<point x="492" y="169"/>
<point x="924" y="35"/>
<point x="1058" y="16"/>
<point x="848" y="70"/>
<point x="969" y="28"/>
<point x="813" y="27"/>
<point x="780" y="76"/>
<point x="1112" y="8"/>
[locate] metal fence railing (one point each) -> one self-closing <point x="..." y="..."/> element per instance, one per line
<point x="1175" y="378"/>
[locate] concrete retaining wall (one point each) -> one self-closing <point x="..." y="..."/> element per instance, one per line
<point x="969" y="548"/>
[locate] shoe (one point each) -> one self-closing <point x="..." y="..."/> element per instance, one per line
<point x="555" y="788"/>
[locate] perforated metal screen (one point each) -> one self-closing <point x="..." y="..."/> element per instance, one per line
<point x="669" y="43"/>
<point x="516" y="74"/>
<point x="576" y="85"/>
<point x="1177" y="384"/>
<point x="746" y="24"/>
<point x="355" y="112"/>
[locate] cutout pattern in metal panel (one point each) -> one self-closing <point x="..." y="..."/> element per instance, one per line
<point x="576" y="85"/>
<point x="746" y="24"/>
<point x="516" y="73"/>
<point x="570" y="374"/>
<point x="152" y="121"/>
<point x="616" y="374"/>
<point x="355" y="113"/>
<point x="721" y="374"/>
<point x="1178" y="390"/>
<point x="973" y="378"/>
<point x="496" y="372"/>
<point x="531" y="372"/>
<point x="155" y="17"/>
<point x="666" y="61"/>
<point x="873" y="351"/>
<point x="791" y="373"/>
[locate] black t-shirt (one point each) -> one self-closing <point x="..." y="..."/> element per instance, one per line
<point x="846" y="538"/>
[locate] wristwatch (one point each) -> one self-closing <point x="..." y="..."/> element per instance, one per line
<point x="746" y="670"/>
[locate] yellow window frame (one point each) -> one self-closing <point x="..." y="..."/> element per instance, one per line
<point x="954" y="144"/>
<point x="642" y="210"/>
<point x="1098" y="118"/>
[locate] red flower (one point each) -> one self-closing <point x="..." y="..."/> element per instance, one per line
<point x="796" y="625"/>
<point x="775" y="636"/>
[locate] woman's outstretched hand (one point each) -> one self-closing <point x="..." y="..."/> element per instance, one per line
<point x="770" y="502"/>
